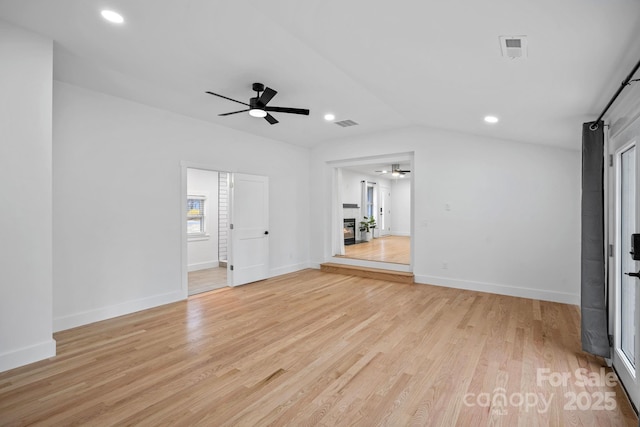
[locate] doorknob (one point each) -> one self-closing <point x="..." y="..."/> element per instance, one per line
<point x="634" y="274"/>
<point x="266" y="232"/>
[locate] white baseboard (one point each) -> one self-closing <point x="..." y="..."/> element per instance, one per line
<point x="544" y="295"/>
<point x="103" y="313"/>
<point x="492" y="288"/>
<point x="288" y="269"/>
<point x="399" y="233"/>
<point x="24" y="356"/>
<point x="203" y="265"/>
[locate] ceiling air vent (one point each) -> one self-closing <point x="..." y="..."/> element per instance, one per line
<point x="346" y="123"/>
<point x="513" y="46"/>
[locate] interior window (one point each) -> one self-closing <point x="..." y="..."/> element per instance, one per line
<point x="369" y="201"/>
<point x="195" y="215"/>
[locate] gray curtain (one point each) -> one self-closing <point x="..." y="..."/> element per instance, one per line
<point x="594" y="321"/>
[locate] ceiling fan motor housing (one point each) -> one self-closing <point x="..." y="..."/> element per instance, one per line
<point x="253" y="104"/>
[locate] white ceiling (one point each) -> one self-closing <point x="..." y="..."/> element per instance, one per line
<point x="383" y="64"/>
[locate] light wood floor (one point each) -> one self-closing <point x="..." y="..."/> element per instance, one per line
<point x="313" y="348"/>
<point x="207" y="280"/>
<point x="394" y="249"/>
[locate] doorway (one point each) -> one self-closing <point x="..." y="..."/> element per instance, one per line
<point x="626" y="301"/>
<point x="377" y="191"/>
<point x="229" y="214"/>
<point x="207" y="229"/>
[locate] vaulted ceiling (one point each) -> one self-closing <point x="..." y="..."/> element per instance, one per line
<point x="382" y="64"/>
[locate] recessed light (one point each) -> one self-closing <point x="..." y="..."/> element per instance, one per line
<point x="329" y="117"/>
<point x="491" y="119"/>
<point x="111" y="16"/>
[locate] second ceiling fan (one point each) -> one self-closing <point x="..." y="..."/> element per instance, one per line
<point x="395" y="171"/>
<point x="258" y="105"/>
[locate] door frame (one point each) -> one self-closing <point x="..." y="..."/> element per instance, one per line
<point x="184" y="241"/>
<point x="359" y="161"/>
<point x="629" y="381"/>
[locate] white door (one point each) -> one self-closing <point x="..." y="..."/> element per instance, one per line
<point x="249" y="228"/>
<point x="626" y="294"/>
<point x="384" y="214"/>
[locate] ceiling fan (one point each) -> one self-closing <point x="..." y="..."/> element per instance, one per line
<point x="258" y="104"/>
<point x="395" y="171"/>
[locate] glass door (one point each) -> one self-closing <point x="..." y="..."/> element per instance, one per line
<point x="627" y="315"/>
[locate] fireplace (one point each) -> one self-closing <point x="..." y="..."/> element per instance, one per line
<point x="349" y="230"/>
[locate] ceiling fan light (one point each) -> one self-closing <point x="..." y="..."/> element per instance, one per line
<point x="111" y="16"/>
<point x="395" y="173"/>
<point x="257" y="112"/>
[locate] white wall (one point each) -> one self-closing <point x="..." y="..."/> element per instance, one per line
<point x="203" y="251"/>
<point x="352" y="191"/>
<point x="401" y="207"/>
<point x="25" y="196"/>
<point x="351" y="186"/>
<point x="513" y="226"/>
<point x="111" y="155"/>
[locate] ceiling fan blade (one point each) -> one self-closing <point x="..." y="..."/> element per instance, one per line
<point x="233" y="112"/>
<point x="288" y="110"/>
<point x="270" y="119"/>
<point x="266" y="96"/>
<point x="222" y="96"/>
